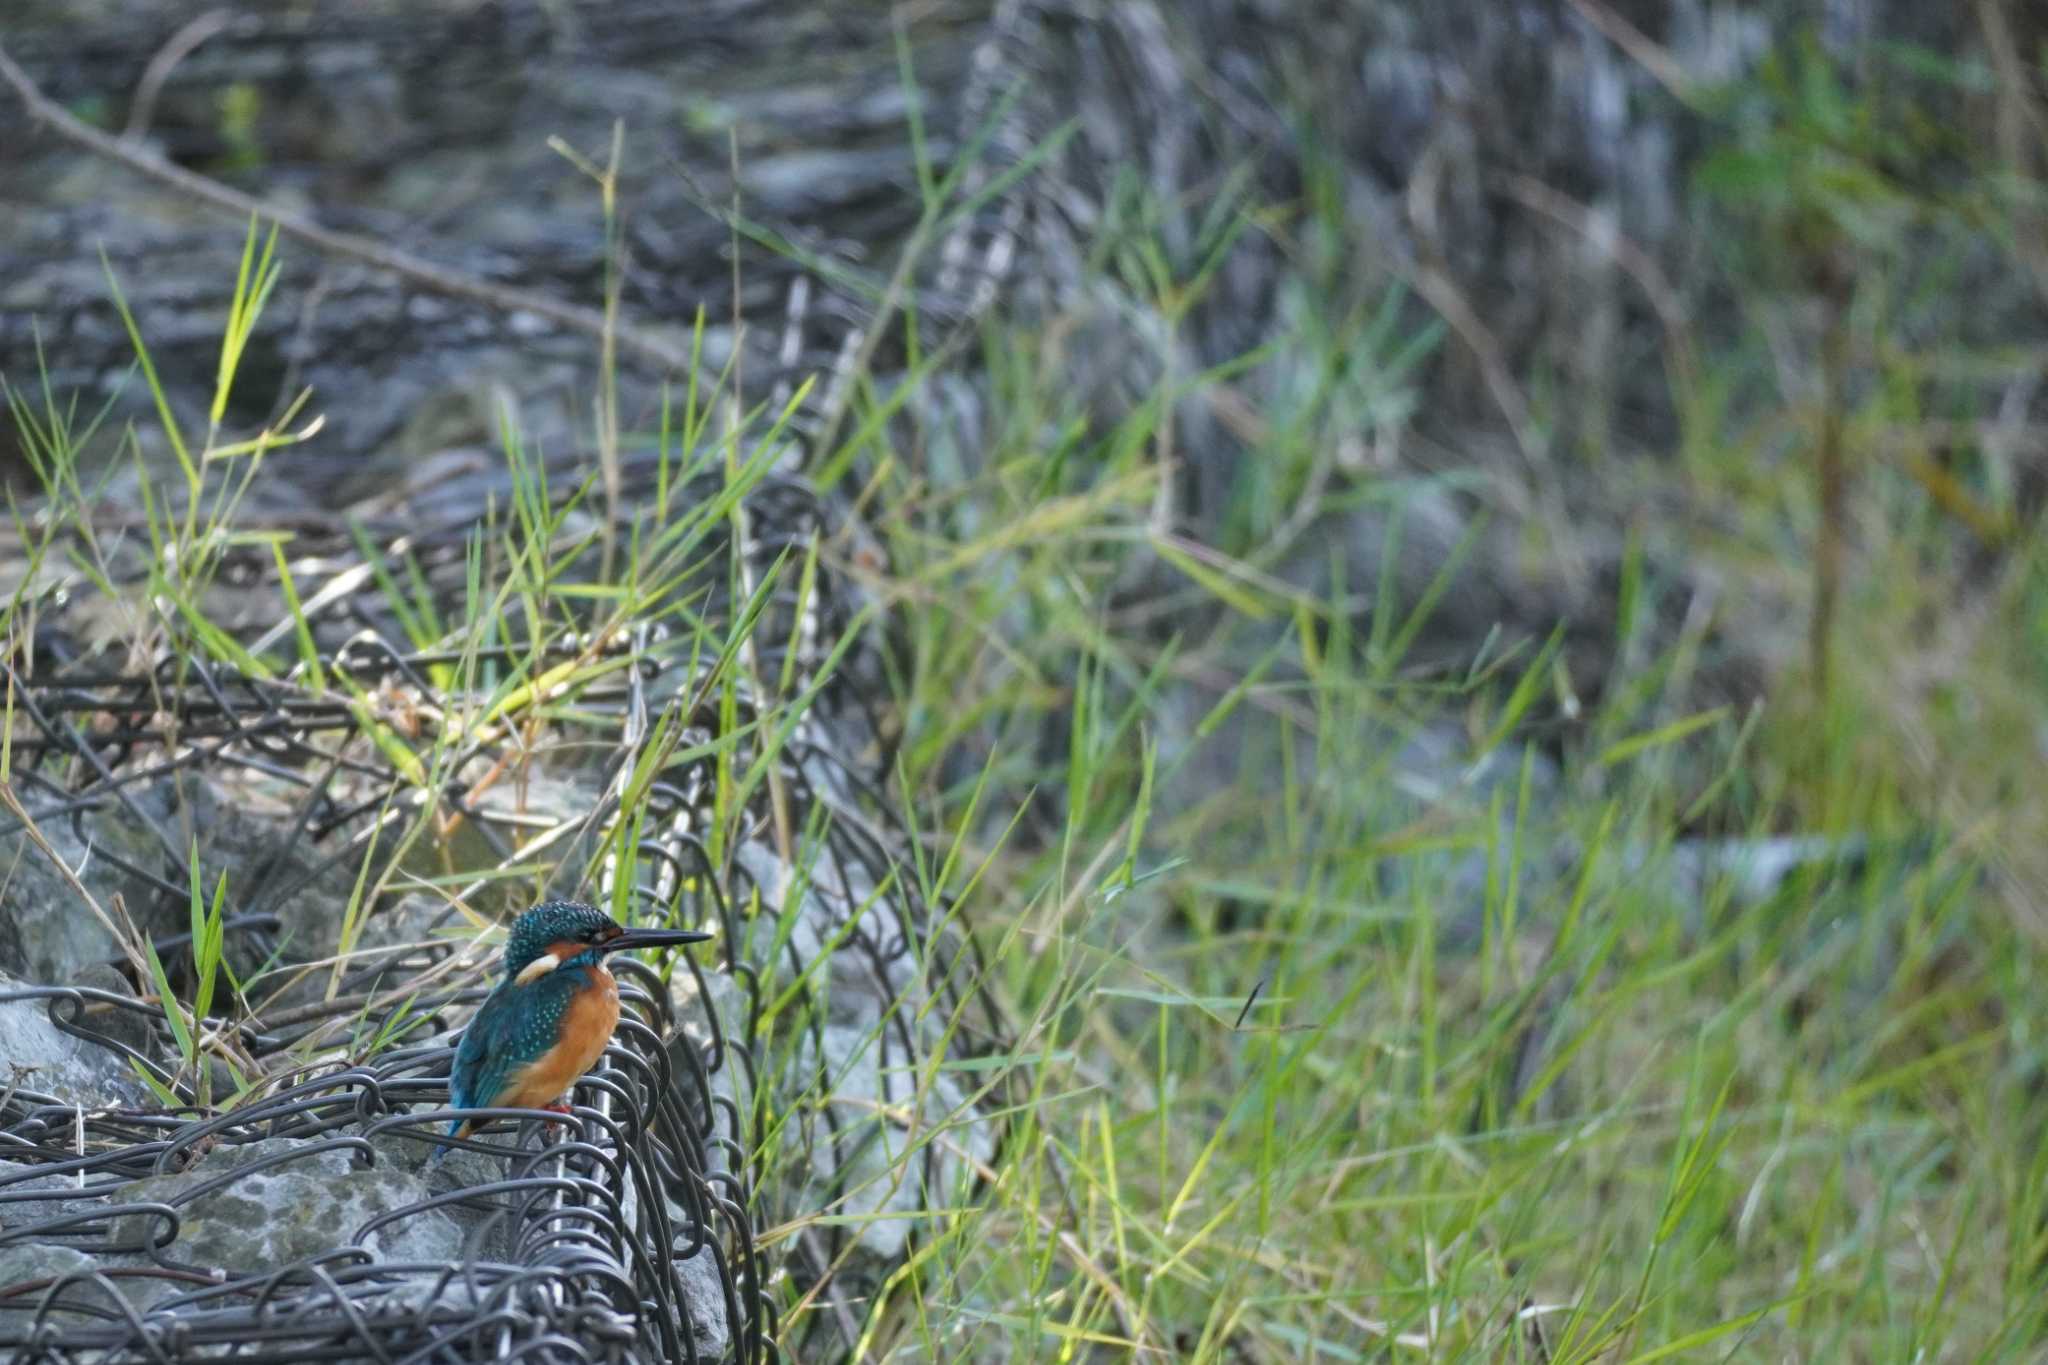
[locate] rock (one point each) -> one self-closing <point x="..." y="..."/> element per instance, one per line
<point x="50" y="1061"/>
<point x="723" y="997"/>
<point x="89" y="1299"/>
<point x="287" y="1212"/>
<point x="46" y="935"/>
<point x="1754" y="868"/>
<point x="336" y="83"/>
<point x="459" y="1168"/>
<point x="127" y="1026"/>
<point x="883" y="1161"/>
<point x="59" y="1195"/>
<point x="20" y="1218"/>
<point x="704" y="1304"/>
<point x="871" y="989"/>
<point x="246" y="835"/>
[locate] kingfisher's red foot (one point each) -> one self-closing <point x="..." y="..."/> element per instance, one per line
<point x="552" y="1129"/>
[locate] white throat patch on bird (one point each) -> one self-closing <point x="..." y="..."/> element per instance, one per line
<point x="546" y="962"/>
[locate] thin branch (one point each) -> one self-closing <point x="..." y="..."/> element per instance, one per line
<point x="406" y="266"/>
<point x="1652" y="56"/>
<point x="1429" y="275"/>
<point x="182" y="44"/>
<point x="2022" y="127"/>
<point x="1601" y="229"/>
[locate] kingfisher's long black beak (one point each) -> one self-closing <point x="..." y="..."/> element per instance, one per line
<point x="651" y="938"/>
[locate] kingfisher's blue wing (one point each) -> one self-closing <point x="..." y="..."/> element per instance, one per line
<point x="484" y="1059"/>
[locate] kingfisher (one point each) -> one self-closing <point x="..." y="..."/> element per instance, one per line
<point x="551" y="1015"/>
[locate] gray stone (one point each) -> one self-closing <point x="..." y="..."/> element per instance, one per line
<point x="879" y="1164"/>
<point x="882" y="1164"/>
<point x="57" y="1195"/>
<point x="126" y="1026"/>
<point x="246" y="837"/>
<point x="1754" y="868"/>
<point x="289" y="1212"/>
<point x="84" y="1299"/>
<point x="44" y="1058"/>
<point x="704" y="1304"/>
<point x="46" y="934"/>
<point x="724" y="998"/>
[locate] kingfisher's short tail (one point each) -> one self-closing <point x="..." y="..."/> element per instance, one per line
<point x="441" y="1149"/>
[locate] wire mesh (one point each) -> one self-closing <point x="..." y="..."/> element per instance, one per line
<point x="575" y="1251"/>
<point x="623" y="1230"/>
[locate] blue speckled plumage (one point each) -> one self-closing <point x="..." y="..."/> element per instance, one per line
<point x="516" y="1025"/>
<point x="507" y="1045"/>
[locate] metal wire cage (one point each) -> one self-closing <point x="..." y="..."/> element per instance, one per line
<point x="623" y="1230"/>
<point x="614" y="1238"/>
<point x="625" y="1234"/>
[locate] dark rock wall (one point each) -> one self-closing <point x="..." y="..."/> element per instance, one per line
<point x="1503" y="168"/>
<point x="427" y="127"/>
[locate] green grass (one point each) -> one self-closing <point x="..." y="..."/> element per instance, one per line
<point x="1324" y="1067"/>
<point x="1317" y="1054"/>
<point x="1277" y="1116"/>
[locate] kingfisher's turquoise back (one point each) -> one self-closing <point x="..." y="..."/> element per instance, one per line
<point x="515" y="1027"/>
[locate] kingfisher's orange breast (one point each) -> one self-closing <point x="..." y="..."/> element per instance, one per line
<point x="586" y="1028"/>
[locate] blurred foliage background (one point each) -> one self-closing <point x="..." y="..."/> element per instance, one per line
<point x="1468" y="573"/>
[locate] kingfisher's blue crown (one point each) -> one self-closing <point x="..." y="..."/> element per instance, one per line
<point x="552" y="922"/>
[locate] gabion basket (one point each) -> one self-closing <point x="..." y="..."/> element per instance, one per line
<point x="624" y="1229"/>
